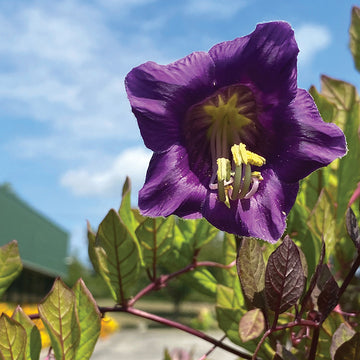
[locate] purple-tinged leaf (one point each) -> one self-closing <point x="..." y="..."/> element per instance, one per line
<point x="353" y="227"/>
<point x="251" y="271"/>
<point x="284" y="277"/>
<point x="349" y="350"/>
<point x="343" y="333"/>
<point x="328" y="292"/>
<point x="251" y="325"/>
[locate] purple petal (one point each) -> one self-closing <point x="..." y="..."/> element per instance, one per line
<point x="307" y="142"/>
<point x="262" y="216"/>
<point x="266" y="58"/>
<point x="170" y="187"/>
<point x="160" y="95"/>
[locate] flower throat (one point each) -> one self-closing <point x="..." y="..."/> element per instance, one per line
<point x="229" y="119"/>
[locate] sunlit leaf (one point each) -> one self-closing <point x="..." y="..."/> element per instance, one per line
<point x="327" y="108"/>
<point x="33" y="344"/>
<point x="155" y="236"/>
<point x="346" y="100"/>
<point x="89" y="320"/>
<point x="355" y="36"/>
<point x="353" y="227"/>
<point x="126" y="214"/>
<point x="58" y="313"/>
<point x="91" y="248"/>
<point x="251" y="270"/>
<point x="284" y="277"/>
<point x="10" y="265"/>
<point x="12" y="338"/>
<point x="343" y="333"/>
<point x="349" y="350"/>
<point x="251" y="325"/>
<point x="117" y="256"/>
<point x="229" y="255"/>
<point x="322" y="220"/>
<point x="298" y="229"/>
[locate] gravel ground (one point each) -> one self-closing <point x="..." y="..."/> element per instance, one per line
<point x="146" y="344"/>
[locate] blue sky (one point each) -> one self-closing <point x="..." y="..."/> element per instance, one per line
<point x="68" y="137"/>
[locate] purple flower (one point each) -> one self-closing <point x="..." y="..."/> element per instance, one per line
<point x="231" y="132"/>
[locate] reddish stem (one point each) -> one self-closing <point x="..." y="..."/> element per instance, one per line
<point x="176" y="325"/>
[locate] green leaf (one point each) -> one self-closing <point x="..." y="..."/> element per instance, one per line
<point x="89" y="320"/>
<point x="322" y="221"/>
<point x="284" y="277"/>
<point x="117" y="256"/>
<point x="58" y="313"/>
<point x="349" y="350"/>
<point x="155" y="236"/>
<point x="342" y="334"/>
<point x="251" y="325"/>
<point x="251" y="270"/>
<point x="12" y="338"/>
<point x="33" y="344"/>
<point x="202" y="280"/>
<point x="230" y="307"/>
<point x="355" y="36"/>
<point x="167" y="355"/>
<point x="182" y="255"/>
<point x="10" y="265"/>
<point x="229" y="255"/>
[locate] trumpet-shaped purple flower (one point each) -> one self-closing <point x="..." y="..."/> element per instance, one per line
<point x="231" y="132"/>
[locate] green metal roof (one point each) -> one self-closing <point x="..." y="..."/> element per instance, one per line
<point x="42" y="244"/>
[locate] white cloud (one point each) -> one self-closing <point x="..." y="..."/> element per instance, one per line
<point x="108" y="181"/>
<point x="214" y="8"/>
<point x="311" y="39"/>
<point x="67" y="71"/>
